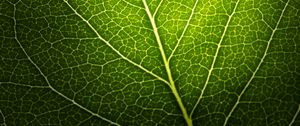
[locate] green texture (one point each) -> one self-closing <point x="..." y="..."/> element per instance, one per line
<point x="150" y="62"/>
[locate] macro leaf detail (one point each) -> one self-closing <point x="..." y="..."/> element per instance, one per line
<point x="149" y="62"/>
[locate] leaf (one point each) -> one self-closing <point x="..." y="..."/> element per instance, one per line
<point x="142" y="62"/>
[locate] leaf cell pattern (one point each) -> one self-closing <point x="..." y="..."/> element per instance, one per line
<point x="150" y="62"/>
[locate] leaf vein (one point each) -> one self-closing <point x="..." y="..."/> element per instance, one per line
<point x="46" y="79"/>
<point x="295" y="116"/>
<point x="114" y="49"/>
<point x="215" y="57"/>
<point x="184" y="30"/>
<point x="4" y="122"/>
<point x="258" y="66"/>
<point x="167" y="67"/>
<point x="156" y="10"/>
<point x="24" y="85"/>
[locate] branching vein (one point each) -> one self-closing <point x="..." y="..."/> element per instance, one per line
<point x="215" y="57"/>
<point x="46" y="79"/>
<point x="24" y="85"/>
<point x="115" y="50"/>
<point x="260" y="63"/>
<point x="4" y="123"/>
<point x="167" y="67"/>
<point x="295" y="116"/>
<point x="184" y="30"/>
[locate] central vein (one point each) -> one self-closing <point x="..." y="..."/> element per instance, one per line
<point x="167" y="67"/>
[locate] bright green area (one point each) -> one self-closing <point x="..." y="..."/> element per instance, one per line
<point x="143" y="62"/>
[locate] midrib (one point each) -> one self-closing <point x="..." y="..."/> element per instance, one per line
<point x="167" y="67"/>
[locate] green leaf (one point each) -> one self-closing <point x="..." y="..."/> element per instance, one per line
<point x="149" y="62"/>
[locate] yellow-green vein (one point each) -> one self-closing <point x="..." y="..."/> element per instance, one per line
<point x="257" y="68"/>
<point x="215" y="58"/>
<point x="114" y="49"/>
<point x="167" y="67"/>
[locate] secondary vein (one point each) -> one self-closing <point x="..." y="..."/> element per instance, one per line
<point x="295" y="116"/>
<point x="184" y="30"/>
<point x="260" y="63"/>
<point x="4" y="123"/>
<point x="114" y="49"/>
<point x="46" y="78"/>
<point x="167" y="67"/>
<point x="215" y="58"/>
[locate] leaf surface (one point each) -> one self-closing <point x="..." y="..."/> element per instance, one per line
<point x="149" y="62"/>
